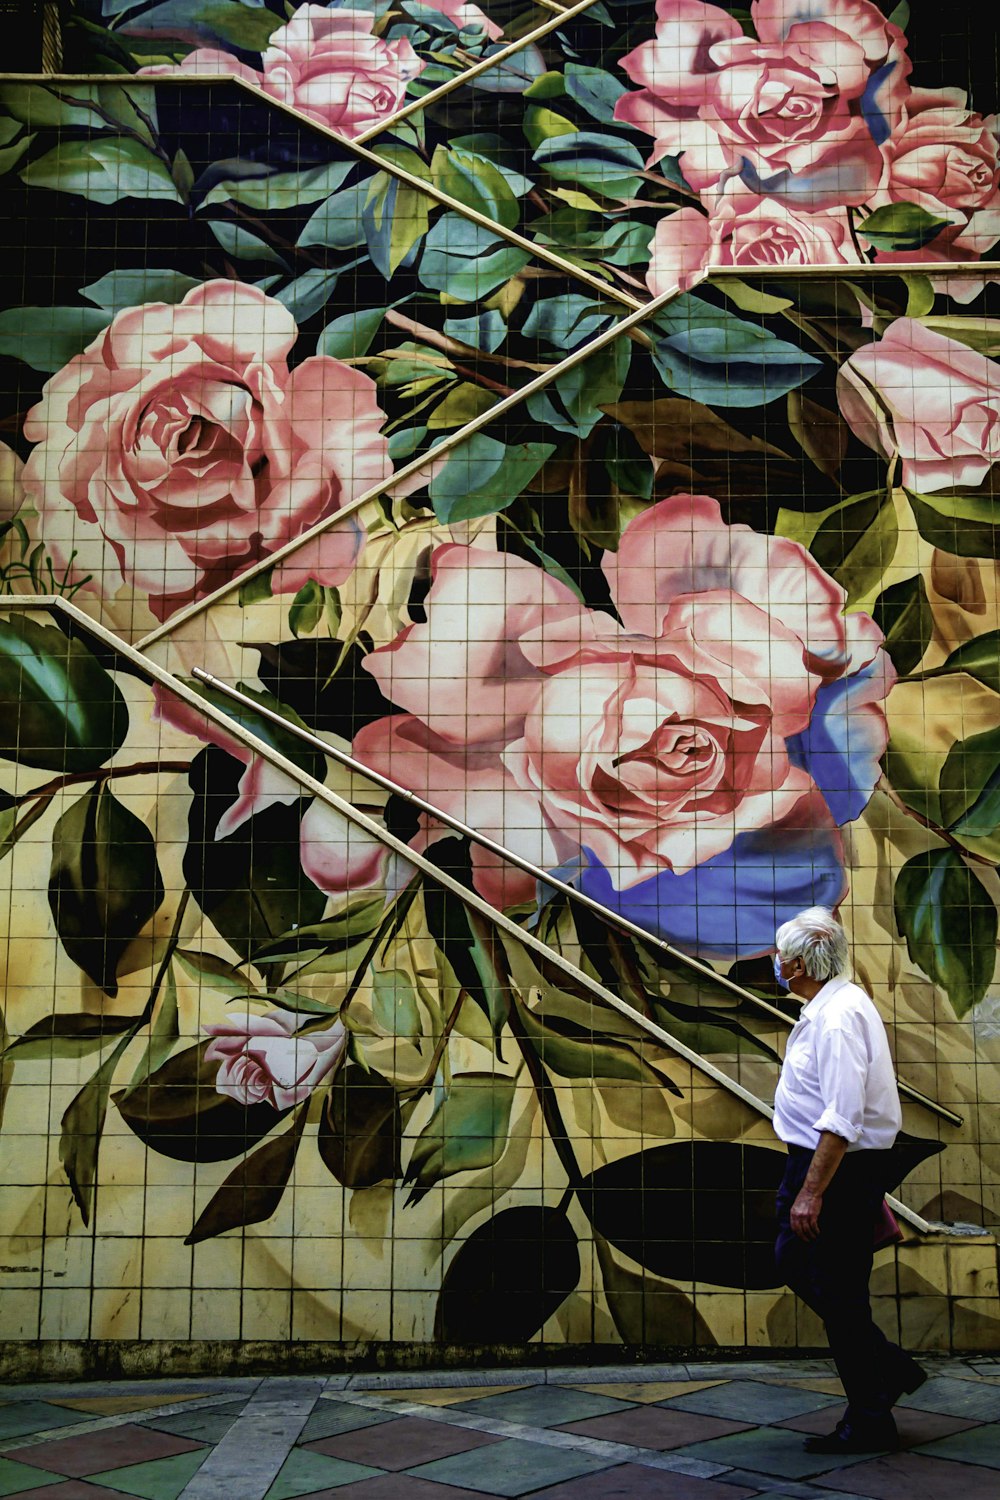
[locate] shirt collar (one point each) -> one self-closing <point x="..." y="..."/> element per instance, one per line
<point x="819" y="1001"/>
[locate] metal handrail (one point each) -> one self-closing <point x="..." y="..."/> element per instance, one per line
<point x="53" y="603"/>
<point x="544" y="879"/>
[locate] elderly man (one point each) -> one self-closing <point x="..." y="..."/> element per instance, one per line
<point x="837" y="1108"/>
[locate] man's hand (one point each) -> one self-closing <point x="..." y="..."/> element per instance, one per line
<point x="804" y="1217"/>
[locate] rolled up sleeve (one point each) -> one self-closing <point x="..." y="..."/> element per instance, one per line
<point x="842" y="1065"/>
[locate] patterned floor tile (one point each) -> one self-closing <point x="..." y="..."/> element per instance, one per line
<point x="207" y="1426"/>
<point x="546" y="1405"/>
<point x="956" y="1398"/>
<point x="648" y="1390"/>
<point x="751" y="1401"/>
<point x="911" y="1476"/>
<point x="913" y="1426"/>
<point x="767" y="1484"/>
<point x="767" y="1450"/>
<point x="633" y="1482"/>
<point x="402" y="1444"/>
<point x="654" y="1427"/>
<point x="115" y="1406"/>
<point x="23" y="1417"/>
<point x="70" y="1489"/>
<point x="397" y="1487"/>
<point x="976" y="1445"/>
<point x="305" y="1473"/>
<point x="511" y="1467"/>
<point x="161" y="1479"/>
<point x="16" y="1479"/>
<point x="90" y="1453"/>
<point x="331" y="1418"/>
<point x="451" y="1395"/>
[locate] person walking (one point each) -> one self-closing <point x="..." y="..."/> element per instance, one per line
<point x="837" y="1109"/>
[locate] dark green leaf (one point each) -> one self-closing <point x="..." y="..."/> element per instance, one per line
<point x="105" y="882"/>
<point x="306" y="609"/>
<point x="980" y="658"/>
<point x="467" y="1131"/>
<point x="508" y="1278"/>
<point x="359" y="919"/>
<point x="483" y="476"/>
<point x="46" y="338"/>
<point x="289" y="745"/>
<point x="568" y="321"/>
<point x="207" y="22"/>
<point x="277" y="190"/>
<point x="605" y="164"/>
<point x="394" y="1003"/>
<point x="823" y="434"/>
<point x="395" y="217"/>
<point x="903" y="614"/>
<point x="308" y="294"/>
<point x="103" y="169"/>
<point x="250" y="885"/>
<point x="694" y="1211"/>
<point x="574" y="403"/>
<point x="970" y="785"/>
<point x="252" y="1192"/>
<point x="449" y="924"/>
<point x="69" y="1034"/>
<point x="351" y="335"/>
<point x="338" y="224"/>
<point x="594" y="90"/>
<point x="573" y="1052"/>
<point x="119" y="289"/>
<point x="178" y="1112"/>
<point x="710" y="355"/>
<point x="83" y="1126"/>
<point x="466" y="260"/>
<point x="475" y="182"/>
<point x="858" y="542"/>
<point x="950" y="925"/>
<point x="215" y="973"/>
<point x="360" y="1130"/>
<point x="59" y="709"/>
<point x="965" y="525"/>
<point x="240" y="244"/>
<point x="73" y="102"/>
<point x="900" y="226"/>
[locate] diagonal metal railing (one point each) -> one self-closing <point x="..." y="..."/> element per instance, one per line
<point x="544" y="879"/>
<point x="85" y="625"/>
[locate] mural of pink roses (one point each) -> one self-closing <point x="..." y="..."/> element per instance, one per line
<point x="944" y="158"/>
<point x="712" y="713"/>
<point x="183" y="435"/>
<point x="797" y="113"/>
<point x="744" y="230"/>
<point x="928" y="398"/>
<point x="262" y="1060"/>
<point x="327" y="64"/>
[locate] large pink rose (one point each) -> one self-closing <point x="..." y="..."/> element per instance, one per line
<point x="944" y="157"/>
<point x="182" y="435"/>
<point x="799" y="112"/>
<point x="933" y="401"/>
<point x="325" y="63"/>
<point x="645" y="746"/>
<point x="745" y="230"/>
<point x="262" y="1060"/>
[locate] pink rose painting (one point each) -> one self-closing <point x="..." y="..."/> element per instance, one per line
<point x="797" y="112"/>
<point x="697" y="743"/>
<point x="745" y="229"/>
<point x="183" y="435"/>
<point x="929" y="399"/>
<point x="944" y="158"/>
<point x="326" y="63"/>
<point x="265" y="1059"/>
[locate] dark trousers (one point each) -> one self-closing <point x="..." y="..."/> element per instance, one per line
<point x="831" y="1276"/>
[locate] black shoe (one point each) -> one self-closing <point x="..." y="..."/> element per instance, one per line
<point x="848" y="1439"/>
<point x="906" y="1387"/>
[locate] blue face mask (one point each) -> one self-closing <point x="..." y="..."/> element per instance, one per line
<point x="777" y="972"/>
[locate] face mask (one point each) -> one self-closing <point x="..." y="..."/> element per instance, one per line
<point x="777" y="972"/>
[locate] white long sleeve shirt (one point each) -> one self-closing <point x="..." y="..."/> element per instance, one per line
<point x="837" y="1074"/>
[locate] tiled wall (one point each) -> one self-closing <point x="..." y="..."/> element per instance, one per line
<point x="695" y="605"/>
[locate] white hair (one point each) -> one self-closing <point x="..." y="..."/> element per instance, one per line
<point x="818" y="939"/>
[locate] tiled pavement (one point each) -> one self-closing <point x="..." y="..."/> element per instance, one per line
<point x="678" y="1432"/>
